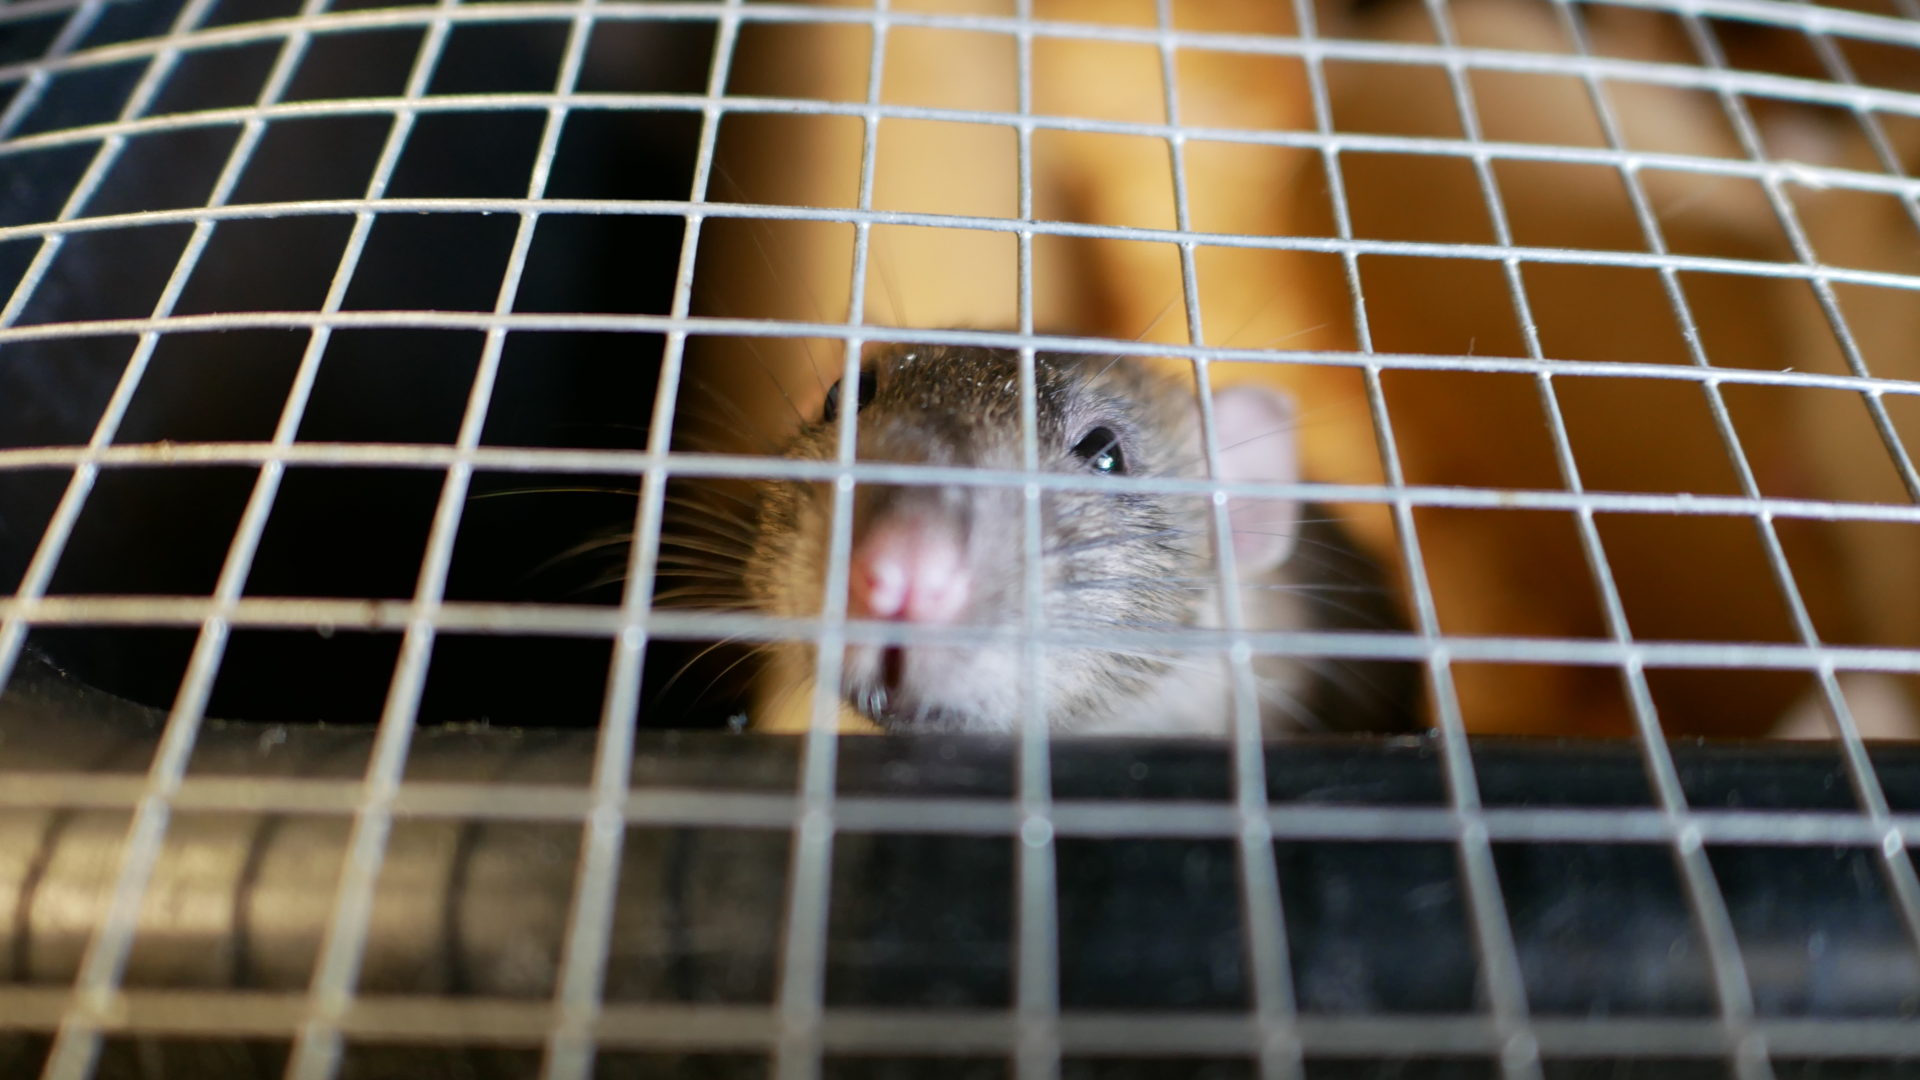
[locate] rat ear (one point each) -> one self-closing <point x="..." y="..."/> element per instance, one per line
<point x="1254" y="428"/>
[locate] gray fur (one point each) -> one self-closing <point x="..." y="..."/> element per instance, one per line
<point x="1120" y="559"/>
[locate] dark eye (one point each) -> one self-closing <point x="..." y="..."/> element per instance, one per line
<point x="1100" y="449"/>
<point x="862" y="395"/>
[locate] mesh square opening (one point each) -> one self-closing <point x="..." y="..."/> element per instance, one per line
<point x="1550" y="204"/>
<point x="646" y="56"/>
<point x="1342" y="962"/>
<point x="31" y="495"/>
<point x="132" y="538"/>
<point x="1150" y="924"/>
<point x="391" y="386"/>
<point x="108" y="274"/>
<point x="141" y="664"/>
<point x="321" y="157"/>
<point x="699" y="916"/>
<point x="1135" y="93"/>
<point x="620" y="264"/>
<point x="943" y="68"/>
<point x="746" y="173"/>
<point x="938" y="167"/>
<point x="325" y="676"/>
<point x="585" y="390"/>
<point x="59" y="387"/>
<point x="1537" y="699"/>
<point x="504" y="890"/>
<point x="1448" y="306"/>
<point x="432" y="262"/>
<point x="621" y="154"/>
<point x="908" y="284"/>
<point x="500" y="58"/>
<point x="93" y="94"/>
<point x="167" y="170"/>
<point x="748" y="268"/>
<point x="322" y="510"/>
<point x="1603" y="930"/>
<point x="221" y="387"/>
<point x="42" y="183"/>
<point x="217" y="78"/>
<point x="279" y="264"/>
<point x="840" y="75"/>
<point x="1145" y="202"/>
<point x="273" y="875"/>
<point x="1818" y="931"/>
<point x="358" y="63"/>
<point x="546" y="537"/>
<point x="1649" y="435"/>
<point x="1392" y="99"/>
<point x="920" y="920"/>
<point x="1524" y="107"/>
<point x="1220" y="89"/>
<point x="1415" y="197"/>
<point x="477" y="155"/>
<point x="1487" y="429"/>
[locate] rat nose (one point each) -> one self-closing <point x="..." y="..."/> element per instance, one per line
<point x="910" y="570"/>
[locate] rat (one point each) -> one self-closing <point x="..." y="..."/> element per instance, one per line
<point x="944" y="555"/>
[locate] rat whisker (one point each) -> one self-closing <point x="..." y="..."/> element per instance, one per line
<point x="716" y="530"/>
<point x="731" y="545"/>
<point x="1360" y="615"/>
<point x="688" y="569"/>
<point x="717" y="490"/>
<point x="706" y="575"/>
<point x="1152" y="325"/>
<point x="750" y="654"/>
<point x="732" y="496"/>
<point x="558" y="489"/>
<point x="703" y="654"/>
<point x="1349" y="676"/>
<point x="674" y="554"/>
<point x="1195" y="459"/>
<point x="584" y="548"/>
<point x="1294" y="709"/>
<point x="701" y="506"/>
<point x="614" y="576"/>
<point x="675" y="597"/>
<point x="676" y="564"/>
<point x="731" y="411"/>
<point x="1288" y="336"/>
<point x="703" y="546"/>
<point x="889" y="281"/>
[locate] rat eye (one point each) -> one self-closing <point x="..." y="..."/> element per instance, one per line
<point x="1100" y="449"/>
<point x="863" y="394"/>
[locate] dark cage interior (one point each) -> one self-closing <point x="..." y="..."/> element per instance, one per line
<point x="354" y="353"/>
<point x="341" y="531"/>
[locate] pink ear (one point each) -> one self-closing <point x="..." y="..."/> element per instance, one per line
<point x="1254" y="425"/>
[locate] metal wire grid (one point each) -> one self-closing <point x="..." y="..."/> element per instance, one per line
<point x="798" y="1030"/>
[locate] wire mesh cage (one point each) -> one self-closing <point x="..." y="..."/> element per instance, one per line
<point x="419" y="421"/>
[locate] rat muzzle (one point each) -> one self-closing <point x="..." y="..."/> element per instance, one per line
<point x="915" y="562"/>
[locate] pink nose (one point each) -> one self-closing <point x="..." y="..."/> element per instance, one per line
<point x="913" y="571"/>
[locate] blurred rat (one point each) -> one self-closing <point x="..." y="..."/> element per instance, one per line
<point x="1117" y="560"/>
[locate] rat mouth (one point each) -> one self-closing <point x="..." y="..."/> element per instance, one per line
<point x="880" y="694"/>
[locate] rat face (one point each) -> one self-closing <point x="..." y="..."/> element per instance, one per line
<point x="1112" y="557"/>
